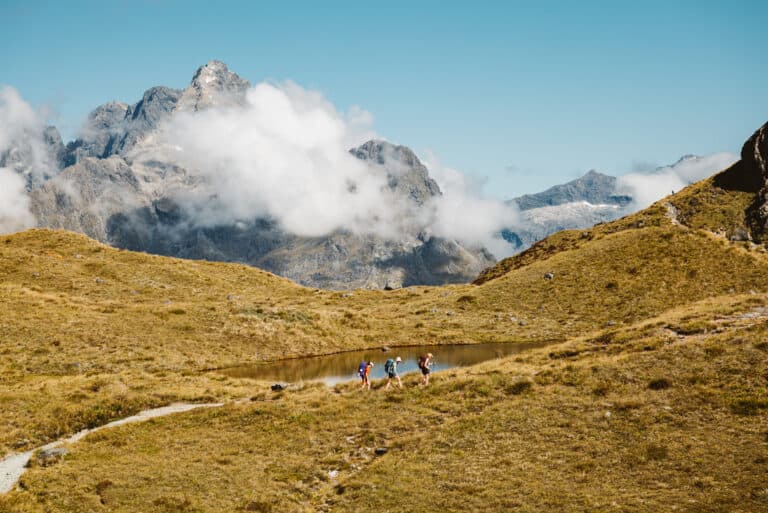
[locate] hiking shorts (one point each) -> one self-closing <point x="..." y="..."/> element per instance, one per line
<point x="392" y="374"/>
<point x="425" y="370"/>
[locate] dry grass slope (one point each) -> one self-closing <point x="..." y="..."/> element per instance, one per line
<point x="593" y="430"/>
<point x="656" y="397"/>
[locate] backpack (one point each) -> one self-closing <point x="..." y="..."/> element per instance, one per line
<point x="422" y="361"/>
<point x="389" y="366"/>
<point x="361" y="369"/>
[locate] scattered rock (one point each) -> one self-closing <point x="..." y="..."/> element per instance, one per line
<point x="449" y="313"/>
<point x="381" y="451"/>
<point x="232" y="297"/>
<point x="608" y="324"/>
<point x="277" y="387"/>
<point x="46" y="457"/>
<point x="385" y="349"/>
<point x="99" y="280"/>
<point x="740" y="235"/>
<point x="549" y="276"/>
<point x="78" y="255"/>
<point x="35" y="275"/>
<point x="20" y="443"/>
<point x="333" y="474"/>
<point x="522" y="323"/>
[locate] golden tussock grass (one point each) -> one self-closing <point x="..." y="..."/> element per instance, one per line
<point x="654" y="397"/>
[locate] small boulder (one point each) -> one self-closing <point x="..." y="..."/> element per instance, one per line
<point x="20" y="443"/>
<point x="47" y="457"/>
<point x="385" y="349"/>
<point x="548" y="276"/>
<point x="740" y="235"/>
<point x="277" y="387"/>
<point x="381" y="451"/>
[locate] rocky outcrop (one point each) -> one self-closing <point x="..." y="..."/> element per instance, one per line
<point x="406" y="174"/>
<point x="101" y="128"/>
<point x="115" y="128"/>
<point x="754" y="153"/>
<point x="753" y="167"/>
<point x="84" y="196"/>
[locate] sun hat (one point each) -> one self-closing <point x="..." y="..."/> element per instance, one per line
<point x="398" y="359"/>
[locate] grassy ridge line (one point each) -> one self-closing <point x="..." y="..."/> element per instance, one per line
<point x="686" y="426"/>
<point x="717" y="204"/>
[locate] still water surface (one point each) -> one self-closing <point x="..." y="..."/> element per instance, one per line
<point x="340" y="367"/>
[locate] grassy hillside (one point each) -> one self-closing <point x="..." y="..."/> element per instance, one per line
<point x="113" y="331"/>
<point x="657" y="378"/>
<point x="670" y="411"/>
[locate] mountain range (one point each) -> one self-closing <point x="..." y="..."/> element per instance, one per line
<point x="117" y="184"/>
<point x="113" y="185"/>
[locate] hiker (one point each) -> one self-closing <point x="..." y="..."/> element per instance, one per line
<point x="425" y="365"/>
<point x="390" y="367"/>
<point x="364" y="371"/>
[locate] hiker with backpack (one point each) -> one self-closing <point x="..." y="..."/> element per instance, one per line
<point x="390" y="367"/>
<point x="364" y="371"/>
<point x="425" y="365"/>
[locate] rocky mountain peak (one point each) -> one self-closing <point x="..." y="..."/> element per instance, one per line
<point x="594" y="187"/>
<point x="382" y="152"/>
<point x="106" y="116"/>
<point x="406" y="174"/>
<point x="213" y="84"/>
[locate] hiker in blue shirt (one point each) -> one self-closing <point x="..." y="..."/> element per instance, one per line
<point x="390" y="367"/>
<point x="364" y="371"/>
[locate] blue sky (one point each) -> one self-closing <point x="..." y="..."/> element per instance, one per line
<point x="521" y="94"/>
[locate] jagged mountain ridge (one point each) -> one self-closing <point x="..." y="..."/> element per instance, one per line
<point x="594" y="187"/>
<point x="580" y="203"/>
<point x="114" y="188"/>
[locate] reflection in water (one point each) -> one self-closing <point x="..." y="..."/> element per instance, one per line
<point x="336" y="368"/>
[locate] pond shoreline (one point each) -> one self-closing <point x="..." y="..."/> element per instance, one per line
<point x="334" y="368"/>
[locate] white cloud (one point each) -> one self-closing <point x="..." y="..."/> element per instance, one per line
<point x="463" y="213"/>
<point x="646" y="188"/>
<point x="14" y="203"/>
<point x="285" y="155"/>
<point x="21" y="133"/>
<point x="25" y="155"/>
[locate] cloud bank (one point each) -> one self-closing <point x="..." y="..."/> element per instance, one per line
<point x="23" y="159"/>
<point x="646" y="188"/>
<point x="284" y="154"/>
